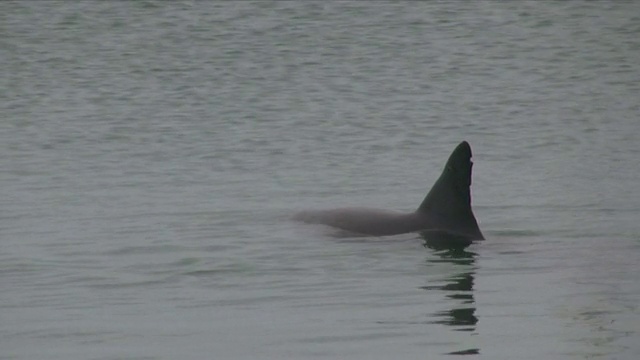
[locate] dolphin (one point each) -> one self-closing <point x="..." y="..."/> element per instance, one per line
<point x="444" y="215"/>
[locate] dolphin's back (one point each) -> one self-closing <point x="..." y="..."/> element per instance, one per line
<point x="365" y="220"/>
<point x="444" y="213"/>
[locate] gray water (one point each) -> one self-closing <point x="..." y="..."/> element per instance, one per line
<point x="151" y="154"/>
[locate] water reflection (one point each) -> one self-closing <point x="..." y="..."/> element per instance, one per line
<point x="459" y="288"/>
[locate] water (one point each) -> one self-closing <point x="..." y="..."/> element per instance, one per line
<point x="152" y="152"/>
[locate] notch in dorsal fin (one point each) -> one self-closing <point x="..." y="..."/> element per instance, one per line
<point x="448" y="203"/>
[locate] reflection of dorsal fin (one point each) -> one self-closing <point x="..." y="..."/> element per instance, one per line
<point x="448" y="203"/>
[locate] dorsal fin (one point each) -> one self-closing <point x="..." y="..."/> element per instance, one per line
<point x="448" y="203"/>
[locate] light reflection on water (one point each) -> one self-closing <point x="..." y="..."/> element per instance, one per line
<point x="459" y="288"/>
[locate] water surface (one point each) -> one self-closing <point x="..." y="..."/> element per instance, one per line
<point x="151" y="153"/>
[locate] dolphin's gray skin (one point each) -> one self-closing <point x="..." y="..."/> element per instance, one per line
<point x="445" y="213"/>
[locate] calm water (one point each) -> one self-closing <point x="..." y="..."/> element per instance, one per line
<point x="151" y="153"/>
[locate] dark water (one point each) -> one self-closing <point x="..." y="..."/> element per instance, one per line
<point x="151" y="153"/>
